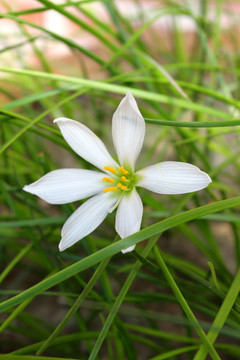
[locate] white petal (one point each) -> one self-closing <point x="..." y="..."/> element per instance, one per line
<point x="129" y="216"/>
<point x="171" y="177"/>
<point x="67" y="185"/>
<point x="128" y="130"/>
<point x="85" y="143"/>
<point x="86" y="219"/>
<point x="129" y="249"/>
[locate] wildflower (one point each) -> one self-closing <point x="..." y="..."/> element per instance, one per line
<point x="115" y="185"/>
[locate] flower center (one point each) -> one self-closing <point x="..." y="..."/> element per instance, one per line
<point x="122" y="179"/>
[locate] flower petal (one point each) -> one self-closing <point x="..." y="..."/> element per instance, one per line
<point x="85" y="143"/>
<point x="171" y="177"/>
<point x="129" y="216"/>
<point x="128" y="130"/>
<point x="67" y="185"/>
<point x="86" y="219"/>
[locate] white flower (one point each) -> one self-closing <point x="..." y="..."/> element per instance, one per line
<point x="115" y="185"/>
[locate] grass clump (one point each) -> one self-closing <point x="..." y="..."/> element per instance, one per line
<point x="176" y="295"/>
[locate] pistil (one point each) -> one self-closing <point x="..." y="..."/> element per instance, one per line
<point x="123" y="178"/>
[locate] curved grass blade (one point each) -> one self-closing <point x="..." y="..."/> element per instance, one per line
<point x="29" y="357"/>
<point x="171" y="353"/>
<point x="136" y="35"/>
<point x="66" y="41"/>
<point x="92" y="30"/>
<point x="118" y="89"/>
<point x="183" y="303"/>
<point x="197" y="124"/>
<point x="119" y="300"/>
<point x="117" y="247"/>
<point x="75" y="306"/>
<point x="222" y="315"/>
<point x="34" y="121"/>
<point x="14" y="261"/>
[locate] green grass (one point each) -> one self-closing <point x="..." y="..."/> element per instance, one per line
<point x="177" y="295"/>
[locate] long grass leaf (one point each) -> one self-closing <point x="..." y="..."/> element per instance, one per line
<point x="118" y="89"/>
<point x="117" y="247"/>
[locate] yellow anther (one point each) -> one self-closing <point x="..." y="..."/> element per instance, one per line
<point x="125" y="172"/>
<point x="110" y="169"/>
<point x="123" y="178"/>
<point x="108" y="180"/>
<point x="110" y="189"/>
<point x="162" y="175"/>
<point x="121" y="186"/>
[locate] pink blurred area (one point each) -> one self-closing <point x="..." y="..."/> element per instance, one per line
<point x="13" y="32"/>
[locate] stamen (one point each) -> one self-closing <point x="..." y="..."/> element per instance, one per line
<point x="110" y="189"/>
<point x="108" y="180"/>
<point x="123" y="179"/>
<point x="110" y="169"/>
<point x="125" y="172"/>
<point x="122" y="186"/>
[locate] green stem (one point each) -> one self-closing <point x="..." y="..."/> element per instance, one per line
<point x="119" y="301"/>
<point x="185" y="305"/>
<point x="221" y="316"/>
